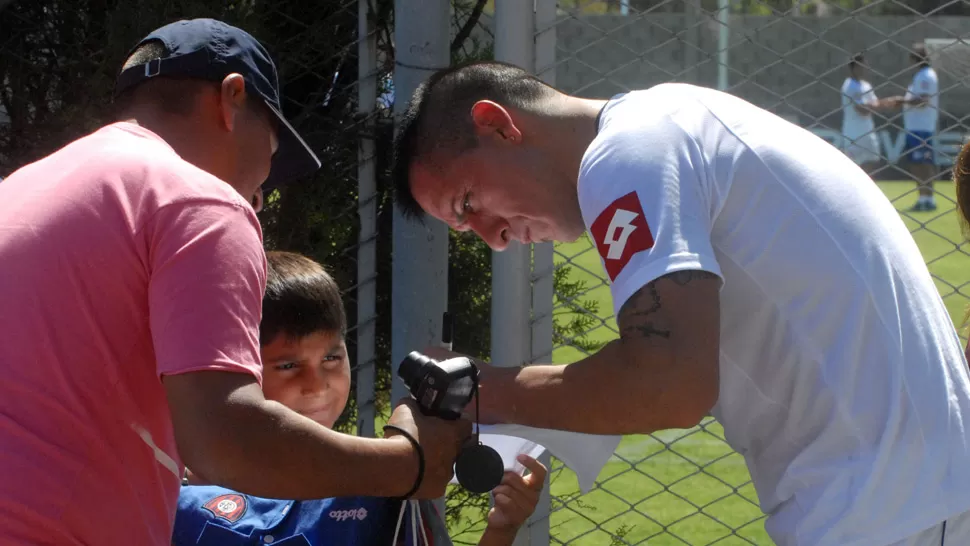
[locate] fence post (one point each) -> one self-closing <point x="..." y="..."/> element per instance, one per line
<point x="538" y="526"/>
<point x="419" y="286"/>
<point x="367" y="213"/>
<point x="512" y="268"/>
<point x="723" y="36"/>
<point x="419" y="282"/>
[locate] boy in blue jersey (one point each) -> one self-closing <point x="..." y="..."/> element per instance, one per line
<point x="305" y="367"/>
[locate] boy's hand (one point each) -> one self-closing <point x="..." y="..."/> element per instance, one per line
<point x="440" y="441"/>
<point x="516" y="497"/>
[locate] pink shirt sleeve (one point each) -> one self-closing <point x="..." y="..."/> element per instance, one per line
<point x="208" y="274"/>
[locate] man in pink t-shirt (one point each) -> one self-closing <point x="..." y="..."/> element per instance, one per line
<point x="131" y="280"/>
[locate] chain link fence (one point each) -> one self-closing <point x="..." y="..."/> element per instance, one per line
<point x="792" y="58"/>
<point x="57" y="65"/>
<point x="337" y="63"/>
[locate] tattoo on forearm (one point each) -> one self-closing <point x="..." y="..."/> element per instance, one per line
<point x="638" y="318"/>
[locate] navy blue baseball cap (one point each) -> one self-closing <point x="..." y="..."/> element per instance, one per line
<point x="207" y="49"/>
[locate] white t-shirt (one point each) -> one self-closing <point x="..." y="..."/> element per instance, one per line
<point x="842" y="380"/>
<point x="854" y="124"/>
<point x="926" y="116"/>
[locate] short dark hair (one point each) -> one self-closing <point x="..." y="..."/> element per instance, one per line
<point x="961" y="180"/>
<point x="857" y="59"/>
<point x="165" y="92"/>
<point x="436" y="122"/>
<point x="919" y="55"/>
<point x="301" y="299"/>
<point x="171" y="94"/>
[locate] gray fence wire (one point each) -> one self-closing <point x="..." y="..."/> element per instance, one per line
<point x="689" y="486"/>
<point x="337" y="62"/>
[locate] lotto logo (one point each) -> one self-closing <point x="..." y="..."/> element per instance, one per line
<point x="359" y="514"/>
<point x="621" y="231"/>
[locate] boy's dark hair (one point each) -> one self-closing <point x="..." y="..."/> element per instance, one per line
<point x="857" y="60"/>
<point x="301" y="299"/>
<point x="436" y="122"/>
<point x="919" y="55"/>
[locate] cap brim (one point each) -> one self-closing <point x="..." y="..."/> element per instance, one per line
<point x="293" y="158"/>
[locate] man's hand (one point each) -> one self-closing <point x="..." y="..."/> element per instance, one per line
<point x="439" y="439"/>
<point x="889" y="102"/>
<point x="487" y="415"/>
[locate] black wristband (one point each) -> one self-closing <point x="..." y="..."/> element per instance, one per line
<point x="417" y="447"/>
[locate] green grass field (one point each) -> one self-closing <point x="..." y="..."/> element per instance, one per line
<point x="687" y="486"/>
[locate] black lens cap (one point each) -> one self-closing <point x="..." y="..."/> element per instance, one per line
<point x="479" y="468"/>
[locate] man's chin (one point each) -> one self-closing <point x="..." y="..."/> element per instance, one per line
<point x="569" y="237"/>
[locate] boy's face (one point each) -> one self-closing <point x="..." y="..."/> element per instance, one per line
<point x="309" y="375"/>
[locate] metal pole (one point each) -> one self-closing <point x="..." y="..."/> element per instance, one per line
<point x="512" y="269"/>
<point x="367" y="212"/>
<point x="419" y="286"/>
<point x="419" y="282"/>
<point x="537" y="527"/>
<point x="624" y="7"/>
<point x="723" y="35"/>
<point x="692" y="41"/>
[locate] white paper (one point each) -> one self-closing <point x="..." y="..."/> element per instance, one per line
<point x="584" y="454"/>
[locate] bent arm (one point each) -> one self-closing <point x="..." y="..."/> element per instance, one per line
<point x="917" y="100"/>
<point x="229" y="433"/>
<point x="661" y="373"/>
<point x="205" y="298"/>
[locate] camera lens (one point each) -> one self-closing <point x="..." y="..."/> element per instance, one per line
<point x="413" y="368"/>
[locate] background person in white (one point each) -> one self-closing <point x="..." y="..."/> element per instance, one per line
<point x="859" y="102"/>
<point x="921" y="115"/>
<point x="756" y="272"/>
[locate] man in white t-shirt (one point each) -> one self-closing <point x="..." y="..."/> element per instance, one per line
<point x="756" y="273"/>
<point x="859" y="102"/>
<point x="921" y="116"/>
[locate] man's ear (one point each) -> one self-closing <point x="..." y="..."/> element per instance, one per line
<point x="492" y="119"/>
<point x="232" y="99"/>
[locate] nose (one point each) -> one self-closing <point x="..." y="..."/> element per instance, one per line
<point x="493" y="230"/>
<point x="314" y="380"/>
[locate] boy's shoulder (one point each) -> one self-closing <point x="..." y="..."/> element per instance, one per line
<point x="216" y="515"/>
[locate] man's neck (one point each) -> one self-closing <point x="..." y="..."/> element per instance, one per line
<point x="188" y="136"/>
<point x="575" y="122"/>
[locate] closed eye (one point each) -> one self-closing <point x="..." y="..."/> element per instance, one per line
<point x="466" y="209"/>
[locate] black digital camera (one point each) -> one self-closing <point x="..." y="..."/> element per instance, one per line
<point x="442" y="389"/>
